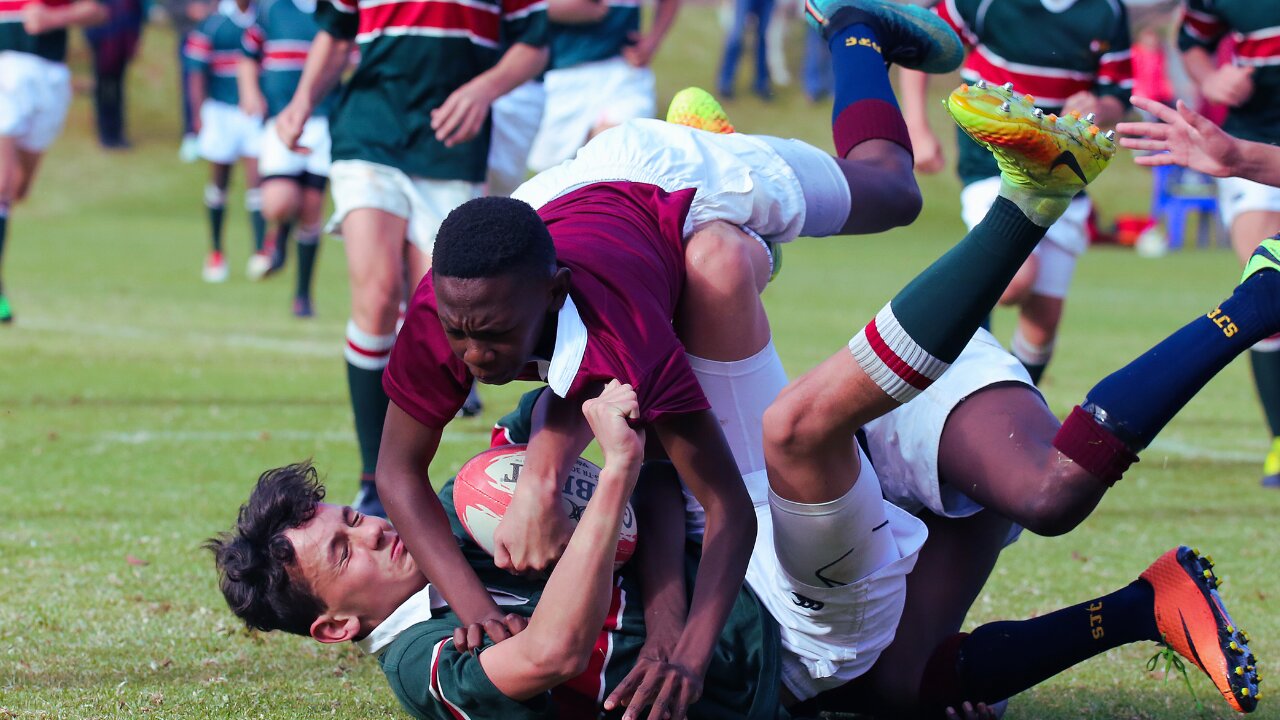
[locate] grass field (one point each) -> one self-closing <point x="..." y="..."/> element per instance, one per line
<point x="138" y="405"/>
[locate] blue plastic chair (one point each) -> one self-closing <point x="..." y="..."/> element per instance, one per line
<point x="1178" y="192"/>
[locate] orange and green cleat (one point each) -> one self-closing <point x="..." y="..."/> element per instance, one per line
<point x="1193" y="621"/>
<point x="1265" y="257"/>
<point x="1050" y="154"/>
<point x="698" y="109"/>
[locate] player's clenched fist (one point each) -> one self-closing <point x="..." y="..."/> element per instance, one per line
<point x="610" y="416"/>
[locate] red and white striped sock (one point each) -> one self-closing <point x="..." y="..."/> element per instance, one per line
<point x="365" y="351"/>
<point x="893" y="360"/>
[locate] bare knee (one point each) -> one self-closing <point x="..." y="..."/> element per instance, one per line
<point x="280" y="200"/>
<point x="375" y="303"/>
<point x="1060" y="502"/>
<point x="721" y="260"/>
<point x="792" y="424"/>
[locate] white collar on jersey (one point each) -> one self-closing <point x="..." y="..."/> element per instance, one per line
<point x="1057" y="6"/>
<point x="306" y="6"/>
<point x="243" y="18"/>
<point x="419" y="608"/>
<point x="571" y="345"/>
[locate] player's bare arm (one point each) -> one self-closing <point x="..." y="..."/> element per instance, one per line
<point x="533" y="533"/>
<point x="38" y="18"/>
<point x="463" y="113"/>
<point x="644" y="46"/>
<point x="700" y="454"/>
<point x="1229" y="85"/>
<point x="913" y="91"/>
<point x="659" y="507"/>
<point x="1106" y="109"/>
<point x="577" y="12"/>
<point x="406" y="452"/>
<point x="326" y="61"/>
<point x="1184" y="137"/>
<point x="252" y="101"/>
<point x="561" y="635"/>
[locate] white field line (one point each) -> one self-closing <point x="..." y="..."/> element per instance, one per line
<point x="152" y="437"/>
<point x="1180" y="448"/>
<point x="310" y="348"/>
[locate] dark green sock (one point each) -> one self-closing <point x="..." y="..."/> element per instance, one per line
<point x="308" y="246"/>
<point x="944" y="305"/>
<point x="4" y="227"/>
<point x="369" y="403"/>
<point x="280" y="251"/>
<point x="215" y="227"/>
<point x="1266" y="376"/>
<point x="259" y="226"/>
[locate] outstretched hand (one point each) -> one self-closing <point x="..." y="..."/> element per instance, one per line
<point x="1181" y="137"/>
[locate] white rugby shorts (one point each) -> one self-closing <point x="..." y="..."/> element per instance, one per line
<point x="34" y="96"/>
<point x="277" y="160"/>
<point x="779" y="189"/>
<point x="227" y="134"/>
<point x="516" y="117"/>
<point x="357" y="184"/>
<point x="1237" y="195"/>
<point x="1057" y="253"/>
<point x="584" y="97"/>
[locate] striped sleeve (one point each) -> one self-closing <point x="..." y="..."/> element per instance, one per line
<point x="251" y="43"/>
<point x="198" y="50"/>
<point x="1115" y="66"/>
<point x="953" y="14"/>
<point x="433" y="680"/>
<point x="1201" y="26"/>
<point x="339" y="18"/>
<point x="525" y="21"/>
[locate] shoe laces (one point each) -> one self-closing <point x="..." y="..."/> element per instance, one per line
<point x="1172" y="661"/>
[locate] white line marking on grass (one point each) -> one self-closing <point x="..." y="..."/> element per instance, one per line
<point x="1177" y="447"/>
<point x="309" y="348"/>
<point x="147" y="437"/>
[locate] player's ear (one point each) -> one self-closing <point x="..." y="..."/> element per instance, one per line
<point x="331" y="628"/>
<point x="560" y="287"/>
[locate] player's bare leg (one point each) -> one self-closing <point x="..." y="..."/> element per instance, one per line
<point x="10" y="180"/>
<point x="215" y="203"/>
<point x="720" y="316"/>
<point x="374" y="241"/>
<point x="310" y="227"/>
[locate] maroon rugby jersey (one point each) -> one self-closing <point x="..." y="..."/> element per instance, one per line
<point x="624" y="243"/>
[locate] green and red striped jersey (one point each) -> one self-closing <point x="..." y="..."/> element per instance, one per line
<point x="279" y="40"/>
<point x="51" y="45"/>
<point x="1047" y="51"/>
<point x="214" y="49"/>
<point x="1255" y="27"/>
<point x="431" y="679"/>
<point x="413" y="55"/>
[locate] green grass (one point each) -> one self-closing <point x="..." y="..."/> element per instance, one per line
<point x="138" y="405"/>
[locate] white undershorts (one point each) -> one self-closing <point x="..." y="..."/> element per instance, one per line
<point x="357" y="184"/>
<point x="1057" y="253"/>
<point x="904" y="443"/>
<point x="1237" y="195"/>
<point x="276" y="160"/>
<point x="227" y="134"/>
<point x="584" y="97"/>
<point x="831" y="635"/>
<point x="34" y="96"/>
<point x="776" y="188"/>
<point x="516" y="117"/>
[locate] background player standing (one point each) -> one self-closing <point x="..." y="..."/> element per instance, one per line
<point x="1076" y="61"/>
<point x="1248" y="86"/>
<point x="226" y="133"/>
<point x="35" y="90"/>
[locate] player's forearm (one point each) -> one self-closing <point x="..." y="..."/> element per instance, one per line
<point x="84" y="13"/>
<point x="660" y="520"/>
<point x="325" y="64"/>
<point x="1111" y="110"/>
<point x="420" y="520"/>
<point x="247" y="78"/>
<point x="913" y="89"/>
<point x="1259" y="162"/>
<point x="518" y="65"/>
<point x="1199" y="65"/>
<point x="663" y="19"/>
<point x="196" y="91"/>
<point x="726" y="550"/>
<point x="578" y="593"/>
<point x="554" y="448"/>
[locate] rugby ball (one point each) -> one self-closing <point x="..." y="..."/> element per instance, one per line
<point x="485" y="484"/>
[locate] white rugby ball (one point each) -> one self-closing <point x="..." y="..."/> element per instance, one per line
<point x="485" y="484"/>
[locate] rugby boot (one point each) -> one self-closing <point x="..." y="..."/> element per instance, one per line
<point x="215" y="268"/>
<point x="1044" y="160"/>
<point x="1265" y="257"/>
<point x="1193" y="622"/>
<point x="1270" y="466"/>
<point x="259" y="265"/>
<point x="302" y="307"/>
<point x="910" y="36"/>
<point x="697" y="108"/>
<point x="6" y="312"/>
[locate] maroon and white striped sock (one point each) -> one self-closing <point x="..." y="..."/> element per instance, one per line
<point x="894" y="360"/>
